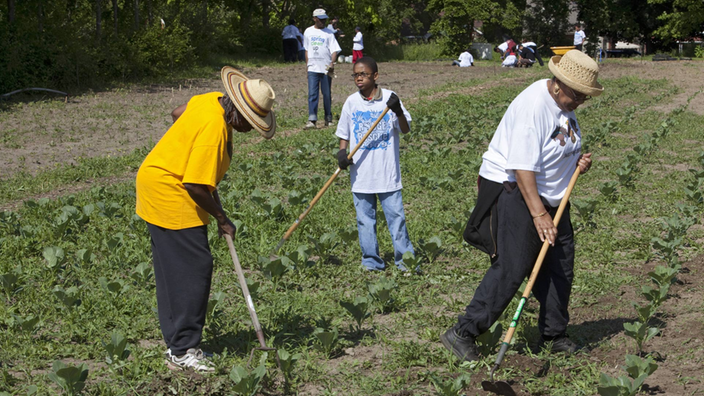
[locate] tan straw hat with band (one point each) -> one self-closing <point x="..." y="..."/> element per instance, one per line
<point x="253" y="98"/>
<point x="578" y="71"/>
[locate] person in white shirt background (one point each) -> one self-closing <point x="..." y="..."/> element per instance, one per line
<point x="357" y="44"/>
<point x="534" y="47"/>
<point x="321" y="51"/>
<point x="290" y="36"/>
<point x="510" y="60"/>
<point x="579" y="36"/>
<point x="466" y="59"/>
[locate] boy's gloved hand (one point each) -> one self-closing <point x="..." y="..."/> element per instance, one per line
<point x="342" y="160"/>
<point x="394" y="104"/>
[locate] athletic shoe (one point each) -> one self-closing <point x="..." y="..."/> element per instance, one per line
<point x="206" y="354"/>
<point x="310" y="125"/>
<point x="329" y="123"/>
<point x="194" y="359"/>
<point x="561" y="343"/>
<point x="464" y="348"/>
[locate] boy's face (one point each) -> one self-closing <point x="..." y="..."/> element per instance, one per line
<point x="364" y="78"/>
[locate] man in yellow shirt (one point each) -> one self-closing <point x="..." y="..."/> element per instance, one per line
<point x="177" y="194"/>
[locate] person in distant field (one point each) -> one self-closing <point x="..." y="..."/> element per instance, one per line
<point x="335" y="29"/>
<point x="579" y="36"/>
<point x="510" y="60"/>
<point x="505" y="48"/>
<point x="290" y="36"/>
<point x="466" y="59"/>
<point x="527" y="56"/>
<point x="177" y="193"/>
<point x="524" y="176"/>
<point x="532" y="46"/>
<point x="301" y="49"/>
<point x="321" y="53"/>
<point x="374" y="170"/>
<point x="357" y="44"/>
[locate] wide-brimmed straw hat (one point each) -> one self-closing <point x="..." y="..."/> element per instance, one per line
<point x="578" y="71"/>
<point x="253" y="98"/>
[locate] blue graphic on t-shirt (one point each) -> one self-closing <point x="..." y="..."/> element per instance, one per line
<point x="380" y="136"/>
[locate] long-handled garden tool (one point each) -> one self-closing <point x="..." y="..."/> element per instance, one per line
<point x="325" y="187"/>
<point x="250" y="304"/>
<point x="503" y="387"/>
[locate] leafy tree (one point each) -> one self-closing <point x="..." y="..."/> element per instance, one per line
<point x="547" y="22"/>
<point x="455" y="25"/>
<point x="681" y="18"/>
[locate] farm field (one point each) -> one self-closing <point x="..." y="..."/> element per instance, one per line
<point x="77" y="285"/>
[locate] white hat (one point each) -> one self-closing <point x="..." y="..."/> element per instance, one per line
<point x="253" y="98"/>
<point x="578" y="71"/>
<point x="320" y="13"/>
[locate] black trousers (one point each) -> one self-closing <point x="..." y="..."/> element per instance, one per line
<point x="290" y="50"/>
<point x="183" y="267"/>
<point x="518" y="246"/>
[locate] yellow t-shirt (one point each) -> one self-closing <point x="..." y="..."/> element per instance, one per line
<point x="193" y="150"/>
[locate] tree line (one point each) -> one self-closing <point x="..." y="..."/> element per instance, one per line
<point x="69" y="44"/>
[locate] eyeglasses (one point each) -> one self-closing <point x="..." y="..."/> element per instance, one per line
<point x="580" y="98"/>
<point x="363" y="75"/>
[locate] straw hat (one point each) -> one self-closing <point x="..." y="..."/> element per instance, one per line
<point x="253" y="99"/>
<point x="578" y="71"/>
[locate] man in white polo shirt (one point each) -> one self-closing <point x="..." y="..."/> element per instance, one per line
<point x="321" y="51"/>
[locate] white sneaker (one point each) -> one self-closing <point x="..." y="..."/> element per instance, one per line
<point x="168" y="354"/>
<point x="310" y="125"/>
<point x="329" y="123"/>
<point x="193" y="359"/>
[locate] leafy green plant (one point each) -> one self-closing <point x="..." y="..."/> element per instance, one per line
<point x="326" y="340"/>
<point x="637" y="366"/>
<point x="487" y="342"/>
<point x="117" y="349"/>
<point x="85" y="256"/>
<point x="71" y="379"/>
<point x="645" y="312"/>
<point x="27" y="323"/>
<point x="449" y="387"/>
<point x="275" y="268"/>
<point x="212" y="312"/>
<point x="143" y="273"/>
<point x="656" y="295"/>
<point x="115" y="287"/>
<point x="68" y="297"/>
<point x="585" y="208"/>
<point x="608" y="189"/>
<point x="359" y="309"/>
<point x="247" y="383"/>
<point x="664" y="275"/>
<point x="381" y="291"/>
<point x="625" y="174"/>
<point x="619" y="386"/>
<point x="287" y="360"/>
<point x="431" y="249"/>
<point x="325" y="245"/>
<point x="411" y="262"/>
<point x="640" y="332"/>
<point x="54" y="256"/>
<point x="349" y="235"/>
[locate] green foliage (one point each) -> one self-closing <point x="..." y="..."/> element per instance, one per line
<point x="71" y="379"/>
<point x="488" y="341"/>
<point x="621" y="386"/>
<point x="117" y="349"/>
<point x="430" y="249"/>
<point x="247" y="383"/>
<point x="682" y="19"/>
<point x="327" y="340"/>
<point x="288" y="361"/>
<point x="381" y="291"/>
<point x="359" y="309"/>
<point x="411" y="261"/>
<point x="455" y="28"/>
<point x="640" y="332"/>
<point x="325" y="245"/>
<point x="637" y="366"/>
<point x="547" y="21"/>
<point x="449" y="387"/>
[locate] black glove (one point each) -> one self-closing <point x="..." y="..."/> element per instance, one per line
<point x="394" y="104"/>
<point x="342" y="160"/>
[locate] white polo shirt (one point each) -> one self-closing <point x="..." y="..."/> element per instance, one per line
<point x="534" y="135"/>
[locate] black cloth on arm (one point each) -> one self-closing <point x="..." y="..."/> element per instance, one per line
<point x="480" y="231"/>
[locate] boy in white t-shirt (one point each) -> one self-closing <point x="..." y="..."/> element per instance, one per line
<point x="466" y="59"/>
<point x="374" y="169"/>
<point x="321" y="52"/>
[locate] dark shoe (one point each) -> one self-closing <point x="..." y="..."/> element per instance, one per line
<point x="463" y="347"/>
<point x="561" y="343"/>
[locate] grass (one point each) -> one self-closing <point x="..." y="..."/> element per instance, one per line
<point x="394" y="351"/>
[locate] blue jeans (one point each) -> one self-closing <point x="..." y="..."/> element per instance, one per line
<point x="318" y="82"/>
<point x="392" y="203"/>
